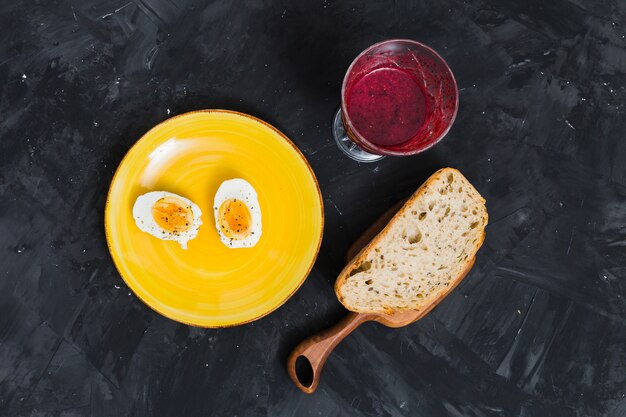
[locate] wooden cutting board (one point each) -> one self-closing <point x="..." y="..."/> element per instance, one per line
<point x="307" y="359"/>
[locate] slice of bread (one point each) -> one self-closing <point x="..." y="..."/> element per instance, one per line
<point x="423" y="250"/>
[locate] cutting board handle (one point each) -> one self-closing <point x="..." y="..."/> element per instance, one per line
<point x="307" y="359"/>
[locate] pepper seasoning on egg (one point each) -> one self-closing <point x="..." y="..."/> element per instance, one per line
<point x="237" y="214"/>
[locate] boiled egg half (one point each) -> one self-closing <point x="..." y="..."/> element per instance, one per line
<point x="237" y="214"/>
<point x="167" y="216"/>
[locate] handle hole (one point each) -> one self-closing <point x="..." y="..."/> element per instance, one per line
<point x="304" y="371"/>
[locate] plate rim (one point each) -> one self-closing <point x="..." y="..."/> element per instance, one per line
<point x="254" y="119"/>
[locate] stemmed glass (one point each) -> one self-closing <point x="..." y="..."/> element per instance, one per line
<point x="399" y="97"/>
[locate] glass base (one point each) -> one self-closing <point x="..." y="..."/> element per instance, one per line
<point x="346" y="145"/>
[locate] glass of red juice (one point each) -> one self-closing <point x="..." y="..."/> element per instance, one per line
<point x="399" y="97"/>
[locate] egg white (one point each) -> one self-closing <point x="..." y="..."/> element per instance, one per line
<point x="242" y="190"/>
<point x="142" y="213"/>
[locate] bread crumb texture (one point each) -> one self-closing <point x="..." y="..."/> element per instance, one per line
<point x="424" y="248"/>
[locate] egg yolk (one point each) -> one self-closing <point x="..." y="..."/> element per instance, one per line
<point x="172" y="214"/>
<point x="234" y="219"/>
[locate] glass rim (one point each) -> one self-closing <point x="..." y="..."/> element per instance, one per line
<point x="378" y="149"/>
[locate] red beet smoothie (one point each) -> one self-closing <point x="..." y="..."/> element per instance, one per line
<point x="386" y="106"/>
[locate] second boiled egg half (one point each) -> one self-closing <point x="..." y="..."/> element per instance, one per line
<point x="237" y="214"/>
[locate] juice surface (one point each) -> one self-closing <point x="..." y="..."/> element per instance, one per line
<point x="386" y="106"/>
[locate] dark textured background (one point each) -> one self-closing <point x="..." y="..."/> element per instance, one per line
<point x="537" y="329"/>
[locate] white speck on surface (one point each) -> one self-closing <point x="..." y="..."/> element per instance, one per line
<point x="168" y="111"/>
<point x="95" y="124"/>
<point x="560" y="204"/>
<point x="117" y="287"/>
<point x="519" y="312"/>
<point x="520" y="64"/>
<point x="335" y="206"/>
<point x="24" y="76"/>
<point x="569" y="246"/>
<point x="570" y="125"/>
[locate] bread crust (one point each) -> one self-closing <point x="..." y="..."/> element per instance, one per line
<point x="365" y="252"/>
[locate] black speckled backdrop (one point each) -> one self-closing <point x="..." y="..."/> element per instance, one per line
<point x="537" y="329"/>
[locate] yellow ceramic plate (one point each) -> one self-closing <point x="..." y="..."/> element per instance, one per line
<point x="209" y="284"/>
